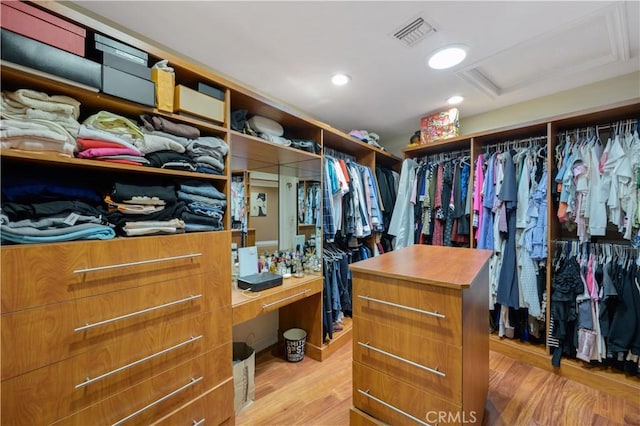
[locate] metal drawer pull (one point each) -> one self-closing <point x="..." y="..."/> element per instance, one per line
<point x="158" y="401"/>
<point x="397" y="410"/>
<point x="133" y="314"/>
<point x="88" y="381"/>
<point x="142" y="262"/>
<point x="408" y="308"/>
<point x="286" y="298"/>
<point x="198" y="422"/>
<point x="415" y="364"/>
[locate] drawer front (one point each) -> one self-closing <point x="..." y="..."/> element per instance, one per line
<point x="36" y="337"/>
<point x="422" y="310"/>
<point x="430" y="365"/>
<point x="273" y="299"/>
<point x="34" y="275"/>
<point x="62" y="387"/>
<point x="155" y="398"/>
<point x="360" y="418"/>
<point x="395" y="402"/>
<point x="212" y="408"/>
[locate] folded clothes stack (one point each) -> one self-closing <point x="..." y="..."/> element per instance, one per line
<point x="203" y="207"/>
<point x="204" y="154"/>
<point x="367" y="137"/>
<point x="34" y="121"/>
<point x="144" y="209"/>
<point x="57" y="210"/>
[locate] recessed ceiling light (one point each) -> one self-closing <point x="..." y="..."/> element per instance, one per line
<point x="456" y="99"/>
<point x="340" y="79"/>
<point x="447" y="57"/>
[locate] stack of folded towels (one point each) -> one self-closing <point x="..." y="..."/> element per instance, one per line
<point x="36" y="122"/>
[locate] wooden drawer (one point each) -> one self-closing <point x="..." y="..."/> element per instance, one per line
<point x="360" y="418"/>
<point x="212" y="408"/>
<point x="34" y="275"/>
<point x="246" y="307"/>
<point x="167" y="392"/>
<point x="62" y="388"/>
<point x="422" y="310"/>
<point x="432" y="366"/>
<point x="36" y="337"/>
<point x="374" y="392"/>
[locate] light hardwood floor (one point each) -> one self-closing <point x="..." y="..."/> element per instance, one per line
<point x="319" y="394"/>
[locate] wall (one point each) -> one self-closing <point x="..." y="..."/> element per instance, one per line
<point x="260" y="332"/>
<point x="590" y="96"/>
<point x="266" y="226"/>
<point x="585" y="97"/>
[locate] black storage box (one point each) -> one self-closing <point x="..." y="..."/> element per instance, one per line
<point x="42" y="57"/>
<point x="130" y="67"/>
<point x="128" y="86"/>
<point x="259" y="282"/>
<point x="211" y="91"/>
<point x="107" y="45"/>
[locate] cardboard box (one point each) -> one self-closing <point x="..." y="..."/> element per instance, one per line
<point x="165" y="82"/>
<point x="244" y="370"/>
<point x="439" y="126"/>
<point x="193" y="102"/>
<point x="127" y="86"/>
<point x="42" y="57"/>
<point x="40" y="25"/>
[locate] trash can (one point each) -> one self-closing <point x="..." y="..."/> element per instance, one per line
<point x="294" y="341"/>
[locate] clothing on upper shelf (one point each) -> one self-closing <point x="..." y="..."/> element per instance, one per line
<point x="598" y="185"/>
<point x="34" y="121"/>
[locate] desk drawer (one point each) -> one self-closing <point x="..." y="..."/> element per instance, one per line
<point x="34" y="275"/>
<point x="430" y="365"/>
<point x="153" y="399"/>
<point x="62" y="387"/>
<point x="422" y="310"/>
<point x="254" y="304"/>
<point x="212" y="408"/>
<point x="36" y="337"/>
<point x="376" y="393"/>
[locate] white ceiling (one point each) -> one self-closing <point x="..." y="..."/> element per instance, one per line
<point x="288" y="50"/>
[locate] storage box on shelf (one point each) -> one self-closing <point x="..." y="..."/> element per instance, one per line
<point x="549" y="128"/>
<point x="35" y="23"/>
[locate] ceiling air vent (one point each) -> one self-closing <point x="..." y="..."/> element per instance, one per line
<point x="413" y="32"/>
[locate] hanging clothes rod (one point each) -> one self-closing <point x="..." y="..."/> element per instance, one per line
<point x="339" y="155"/>
<point x="516" y="143"/>
<point x="444" y="156"/>
<point x="596" y="128"/>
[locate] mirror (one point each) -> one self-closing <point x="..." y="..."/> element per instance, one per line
<point x="271" y="208"/>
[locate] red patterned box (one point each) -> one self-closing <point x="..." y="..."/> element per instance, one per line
<point x="439" y="126"/>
